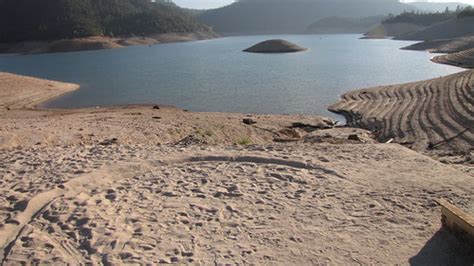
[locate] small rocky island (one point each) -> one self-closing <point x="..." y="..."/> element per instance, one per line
<point x="275" y="46"/>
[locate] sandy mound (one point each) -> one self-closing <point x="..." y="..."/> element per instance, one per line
<point x="275" y="46"/>
<point x="278" y="204"/>
<point x="461" y="59"/>
<point x="432" y="113"/>
<point x="26" y="92"/>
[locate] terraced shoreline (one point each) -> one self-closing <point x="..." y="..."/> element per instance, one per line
<point x="436" y="113"/>
<point x="463" y="59"/>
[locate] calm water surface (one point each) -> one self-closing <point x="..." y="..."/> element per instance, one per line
<point x="214" y="75"/>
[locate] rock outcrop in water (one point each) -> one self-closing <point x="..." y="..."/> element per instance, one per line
<point x="275" y="46"/>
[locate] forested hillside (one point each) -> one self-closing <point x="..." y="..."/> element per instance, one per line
<point x="291" y="16"/>
<point x="427" y="26"/>
<point x="422" y="19"/>
<point x="23" y="20"/>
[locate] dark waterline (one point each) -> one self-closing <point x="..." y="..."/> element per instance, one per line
<point x="216" y="76"/>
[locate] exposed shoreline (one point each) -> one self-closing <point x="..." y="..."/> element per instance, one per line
<point x="464" y="59"/>
<point x="419" y="114"/>
<point x="136" y="184"/>
<point x="22" y="96"/>
<point x="156" y="184"/>
<point x="456" y="52"/>
<point x="22" y="92"/>
<point x="101" y="42"/>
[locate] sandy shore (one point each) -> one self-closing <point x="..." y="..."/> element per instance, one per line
<point x="21" y="92"/>
<point x="101" y="42"/>
<point x="139" y="184"/>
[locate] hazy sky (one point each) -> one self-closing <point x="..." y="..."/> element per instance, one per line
<point x="217" y="3"/>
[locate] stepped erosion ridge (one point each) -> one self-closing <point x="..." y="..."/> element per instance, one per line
<point x="463" y="59"/>
<point x="426" y="114"/>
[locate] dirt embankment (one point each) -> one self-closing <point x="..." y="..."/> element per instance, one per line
<point x="445" y="46"/>
<point x="426" y="114"/>
<point x="101" y="42"/>
<point x="463" y="59"/>
<point x="460" y="51"/>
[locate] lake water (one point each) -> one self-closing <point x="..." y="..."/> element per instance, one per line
<point x="214" y="75"/>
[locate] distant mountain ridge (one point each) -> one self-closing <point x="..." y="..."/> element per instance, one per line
<point x="35" y="20"/>
<point x="291" y="16"/>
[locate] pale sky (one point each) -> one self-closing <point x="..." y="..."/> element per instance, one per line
<point x="205" y="4"/>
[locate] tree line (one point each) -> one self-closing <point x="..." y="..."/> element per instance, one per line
<point x="428" y="18"/>
<point x="27" y="20"/>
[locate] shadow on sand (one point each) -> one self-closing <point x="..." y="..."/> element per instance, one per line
<point x="444" y="249"/>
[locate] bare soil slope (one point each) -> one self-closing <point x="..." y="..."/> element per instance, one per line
<point x="445" y="46"/>
<point x="463" y="59"/>
<point x="432" y="113"/>
<point x="101" y="42"/>
<point x="454" y="28"/>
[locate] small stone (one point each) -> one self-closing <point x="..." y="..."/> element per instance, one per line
<point x="20" y="205"/>
<point x="164" y="261"/>
<point x="291" y="133"/>
<point x="108" y="142"/>
<point x="156" y="107"/>
<point x="353" y="137"/>
<point x="169" y="194"/>
<point x="187" y="253"/>
<point x="125" y="255"/>
<point x="111" y="197"/>
<point x="249" y="121"/>
<point x="230" y="208"/>
<point x="233" y="188"/>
